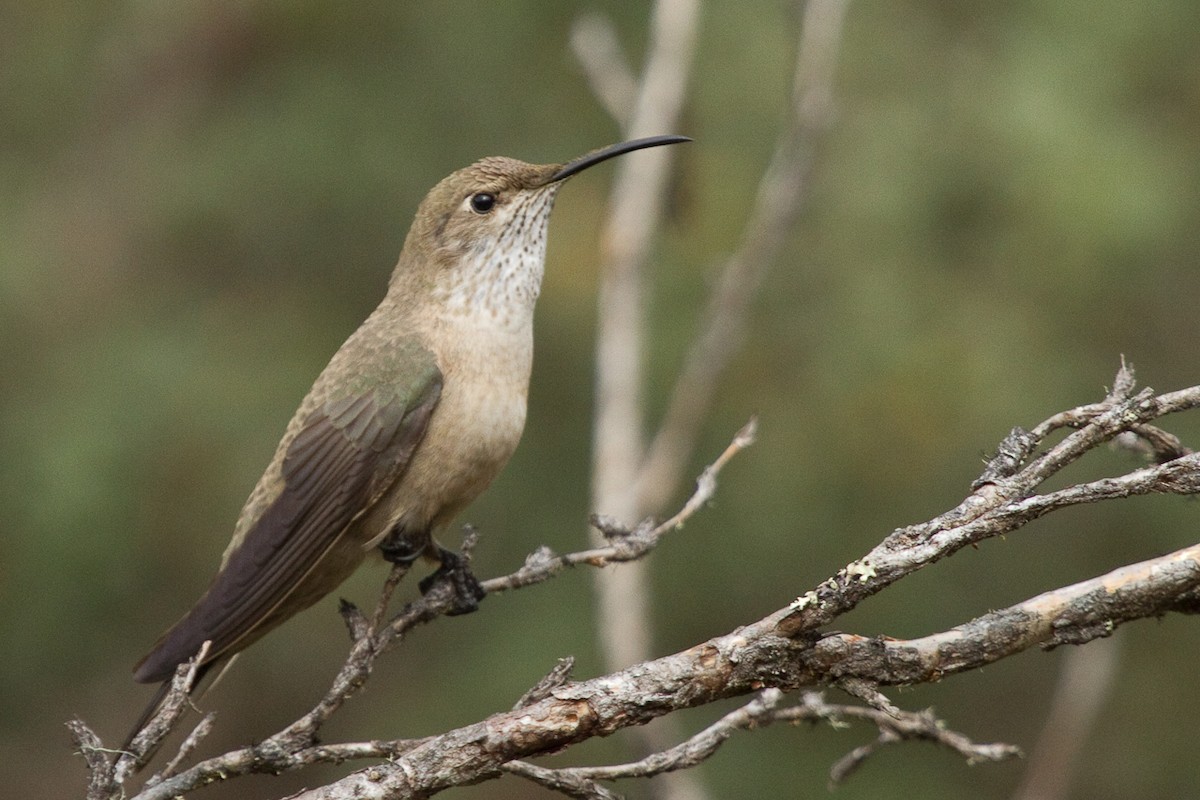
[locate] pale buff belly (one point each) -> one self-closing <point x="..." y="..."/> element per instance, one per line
<point x="472" y="434"/>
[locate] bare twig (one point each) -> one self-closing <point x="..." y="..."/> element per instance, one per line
<point x="778" y="204"/>
<point x="100" y="783"/>
<point x="894" y="726"/>
<point x="755" y="656"/>
<point x="553" y="679"/>
<point x="108" y="769"/>
<point x="1000" y="504"/>
<point x="687" y="754"/>
<point x="868" y="692"/>
<point x="294" y="746"/>
<point x="164" y="720"/>
<point x="635" y="210"/>
<point x="561" y="780"/>
<point x="782" y="651"/>
<point x="397" y="574"/>
<point x="623" y="546"/>
<point x="1084" y="685"/>
<point x="202" y="729"/>
<point x="596" y="47"/>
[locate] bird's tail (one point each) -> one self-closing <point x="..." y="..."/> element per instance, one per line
<point x="155" y="704"/>
<point x="215" y="669"/>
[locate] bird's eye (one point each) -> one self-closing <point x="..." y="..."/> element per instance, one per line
<point x="483" y="202"/>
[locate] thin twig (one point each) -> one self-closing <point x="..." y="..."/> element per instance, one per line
<point x="1085" y="683"/>
<point x="563" y="781"/>
<point x="625" y="545"/>
<point x="164" y="720"/>
<point x="597" y="49"/>
<point x="780" y="651"/>
<point x="706" y="484"/>
<point x="778" y="203"/>
<point x="396" y="574"/>
<point x="294" y="746"/>
<point x="903" y="725"/>
<point x="754" y="656"/>
<point x="202" y="729"/>
<point x="686" y="754"/>
<point x="1000" y="505"/>
<point x="894" y="726"/>
<point x="100" y="782"/>
<point x="553" y="679"/>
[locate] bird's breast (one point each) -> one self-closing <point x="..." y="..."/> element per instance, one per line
<point x="474" y="429"/>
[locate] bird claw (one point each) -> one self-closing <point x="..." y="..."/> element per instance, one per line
<point x="466" y="587"/>
<point x="397" y="548"/>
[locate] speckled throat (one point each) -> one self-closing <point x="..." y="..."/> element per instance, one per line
<point x="499" y="276"/>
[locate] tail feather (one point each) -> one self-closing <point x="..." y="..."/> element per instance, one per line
<point x="155" y="704"/>
<point x="213" y="669"/>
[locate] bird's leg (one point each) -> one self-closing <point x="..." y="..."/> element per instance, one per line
<point x="401" y="548"/>
<point x="467" y="590"/>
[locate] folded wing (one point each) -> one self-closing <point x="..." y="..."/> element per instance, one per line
<point x="347" y="453"/>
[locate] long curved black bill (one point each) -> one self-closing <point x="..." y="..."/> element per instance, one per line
<point x="605" y="153"/>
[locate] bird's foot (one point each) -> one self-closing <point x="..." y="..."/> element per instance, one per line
<point x="396" y="548"/>
<point x="454" y="570"/>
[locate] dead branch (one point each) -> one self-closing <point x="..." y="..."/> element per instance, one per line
<point x="295" y="746"/>
<point x="777" y="207"/>
<point x="1004" y="498"/>
<point x="894" y="727"/>
<point x="629" y="478"/>
<point x="1086" y="682"/>
<point x="598" y="50"/>
<point x="757" y="655"/>
<point x="783" y="652"/>
<point x="636" y="204"/>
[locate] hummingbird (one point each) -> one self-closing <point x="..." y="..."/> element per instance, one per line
<point x="409" y="422"/>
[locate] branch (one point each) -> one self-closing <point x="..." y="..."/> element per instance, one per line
<point x="777" y="207"/>
<point x="635" y="211"/>
<point x="742" y="662"/>
<point x="1004" y="498"/>
<point x="629" y="480"/>
<point x="580" y="781"/>
<point x="755" y="656"/>
<point x="108" y="769"/>
<point x="895" y="726"/>
<point x="625" y="544"/>
<point x="596" y="47"/>
<point x="783" y="651"/>
<point x="295" y="746"/>
<point x="1085" y="683"/>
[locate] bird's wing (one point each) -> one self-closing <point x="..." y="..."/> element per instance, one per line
<point x="348" y="451"/>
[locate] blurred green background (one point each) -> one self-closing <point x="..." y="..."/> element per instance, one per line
<point x="199" y="201"/>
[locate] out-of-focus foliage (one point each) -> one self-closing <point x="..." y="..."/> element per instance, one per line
<point x="198" y="201"/>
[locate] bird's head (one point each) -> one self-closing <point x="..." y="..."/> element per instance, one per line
<point x="478" y="242"/>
